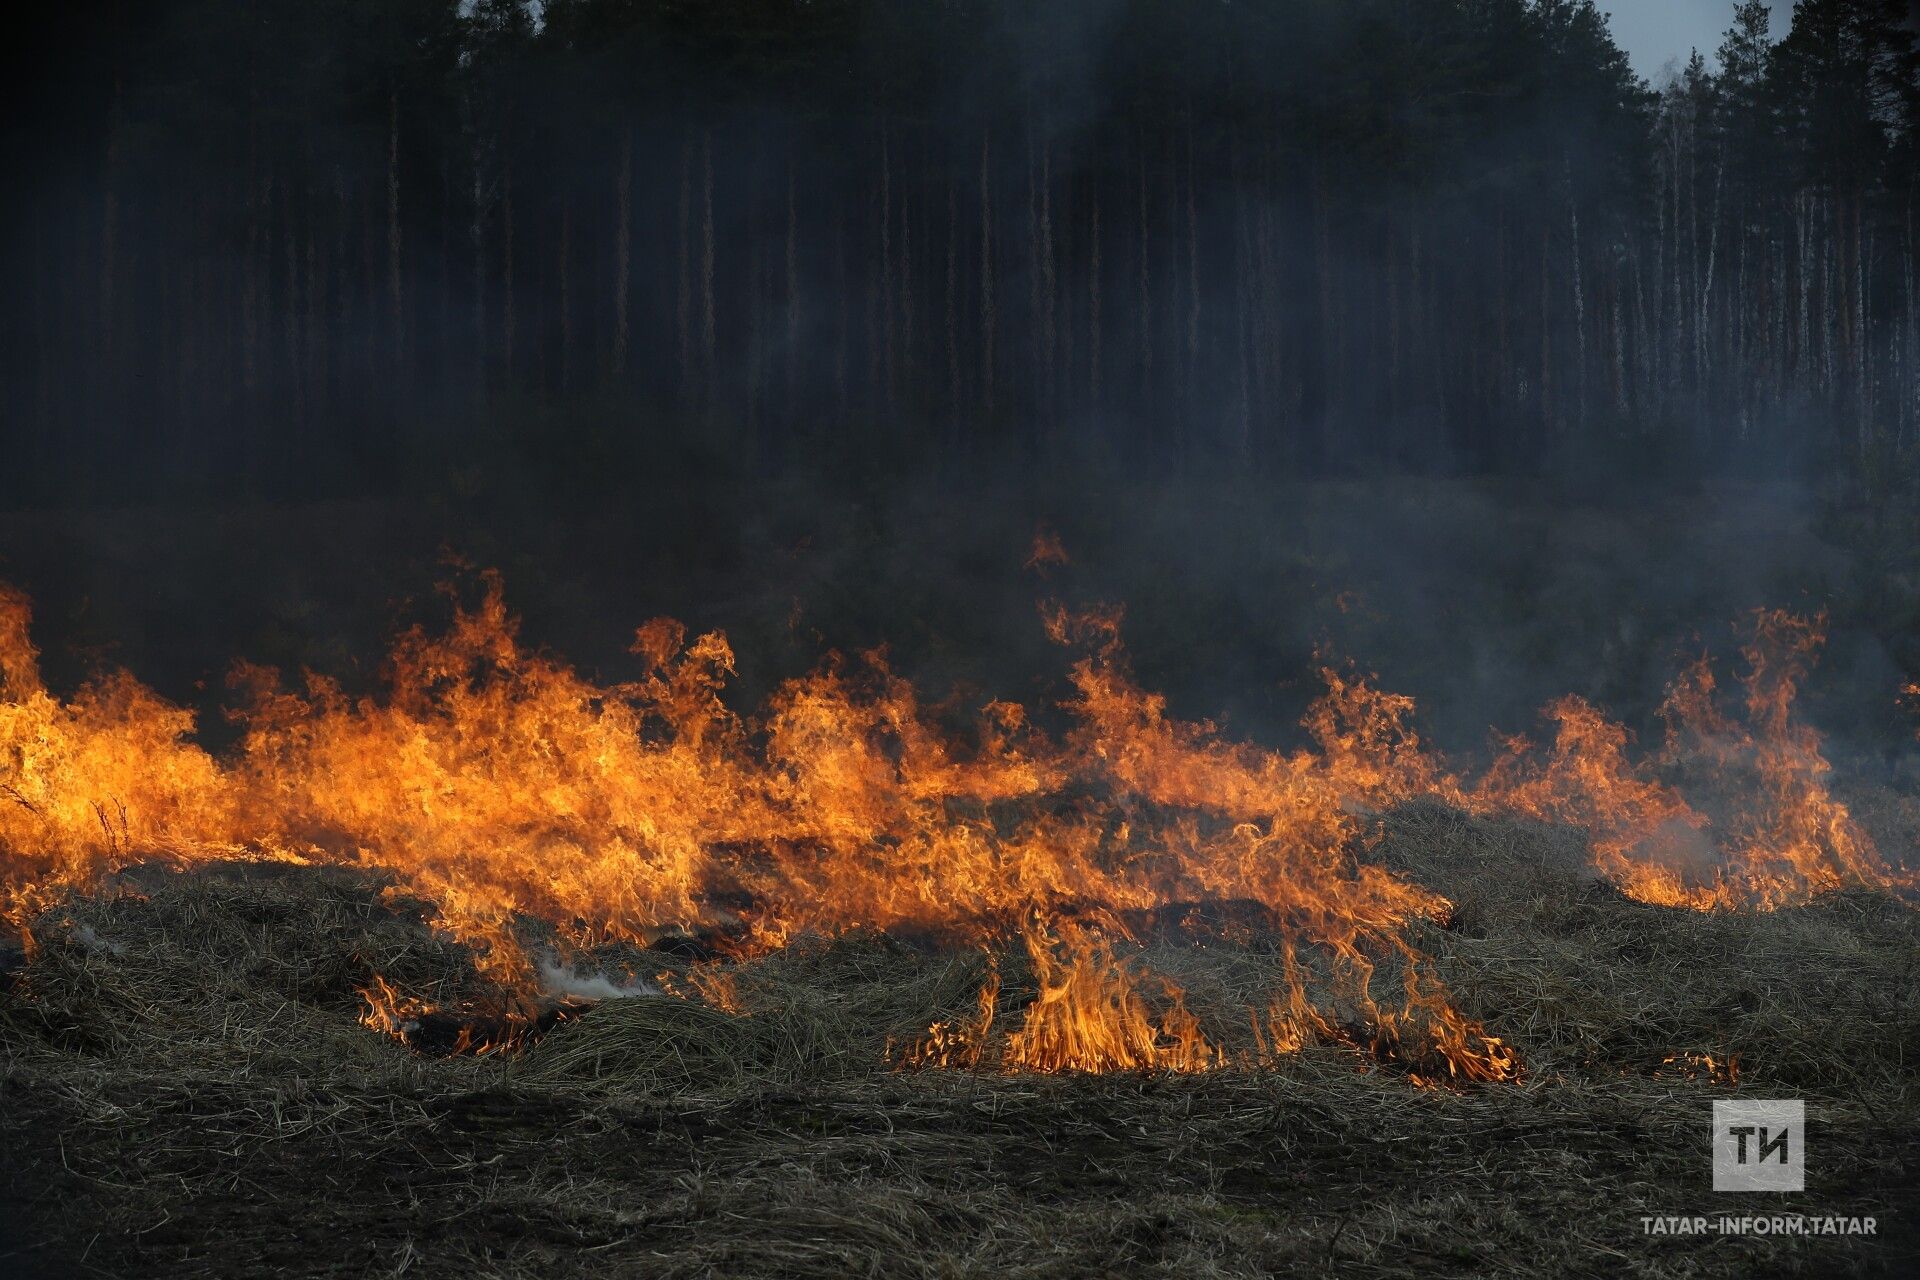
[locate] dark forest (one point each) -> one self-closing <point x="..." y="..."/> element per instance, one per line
<point x="1308" y="237"/>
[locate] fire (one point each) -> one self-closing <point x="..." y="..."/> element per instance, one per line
<point x="1090" y="1015"/>
<point x="498" y="783"/>
<point x="1699" y="1065"/>
<point x="1099" y="1010"/>
<point x="1640" y="827"/>
<point x="1763" y="829"/>
<point x="88" y="785"/>
<point x="390" y="1011"/>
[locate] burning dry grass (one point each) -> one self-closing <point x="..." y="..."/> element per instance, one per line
<point x="187" y="1059"/>
<point x="833" y="950"/>
<point x="498" y="783"/>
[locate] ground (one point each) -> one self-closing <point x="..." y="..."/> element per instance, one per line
<point x="186" y="1088"/>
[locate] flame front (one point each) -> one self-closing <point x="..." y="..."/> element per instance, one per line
<point x="499" y="783"/>
<point x="1763" y="828"/>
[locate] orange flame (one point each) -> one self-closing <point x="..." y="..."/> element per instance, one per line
<point x="390" y="1011"/>
<point x="1090" y="1015"/>
<point x="497" y="783"/>
<point x="1783" y="836"/>
<point x="1698" y="1065"/>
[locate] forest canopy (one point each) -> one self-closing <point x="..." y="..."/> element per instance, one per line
<point x="345" y="245"/>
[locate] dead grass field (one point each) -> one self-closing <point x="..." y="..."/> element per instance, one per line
<point x="186" y="1089"/>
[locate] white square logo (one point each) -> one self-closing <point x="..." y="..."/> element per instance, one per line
<point x="1760" y="1146"/>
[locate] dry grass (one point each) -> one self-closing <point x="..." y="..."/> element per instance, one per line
<point x="185" y="1089"/>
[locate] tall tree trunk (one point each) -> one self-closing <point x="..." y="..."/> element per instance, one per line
<point x="756" y="335"/>
<point x="1243" y="287"/>
<point x="566" y="293"/>
<point x="476" y="232"/>
<point x="1804" y="342"/>
<point x="1145" y="307"/>
<point x="186" y="384"/>
<point x="393" y="226"/>
<point x="683" y="311"/>
<point x="1094" y="272"/>
<point x="1066" y="298"/>
<point x="1579" y="312"/>
<point x="1704" y="326"/>
<point x="1738" y="317"/>
<point x="953" y="302"/>
<point x="843" y="328"/>
<point x="1036" y="288"/>
<point x="1546" y="337"/>
<point x="905" y="368"/>
<point x="1862" y="338"/>
<point x="1193" y="278"/>
<point x="709" y="333"/>
<point x="109" y="230"/>
<point x="986" y="276"/>
<point x="623" y="255"/>
<point x="340" y="291"/>
<point x="250" y="300"/>
<point x="793" y="291"/>
<point x="508" y="317"/>
<point x="1049" y="324"/>
<point x="290" y="330"/>
<point x="887" y="277"/>
<point x="1393" y="312"/>
<point x="1910" y="361"/>
<point x="1829" y="313"/>
<point x="314" y="354"/>
<point x="1329" y="341"/>
<point x="1619" y="350"/>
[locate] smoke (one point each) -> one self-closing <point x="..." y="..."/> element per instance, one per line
<point x="87" y="938"/>
<point x="1483" y="601"/>
<point x="559" y="981"/>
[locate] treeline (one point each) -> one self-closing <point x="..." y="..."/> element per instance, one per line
<point x="304" y="247"/>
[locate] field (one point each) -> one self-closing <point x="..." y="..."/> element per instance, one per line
<point x="721" y="955"/>
<point x="187" y="1073"/>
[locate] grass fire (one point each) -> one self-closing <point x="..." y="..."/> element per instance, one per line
<point x="785" y="639"/>
<point x="545" y="892"/>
